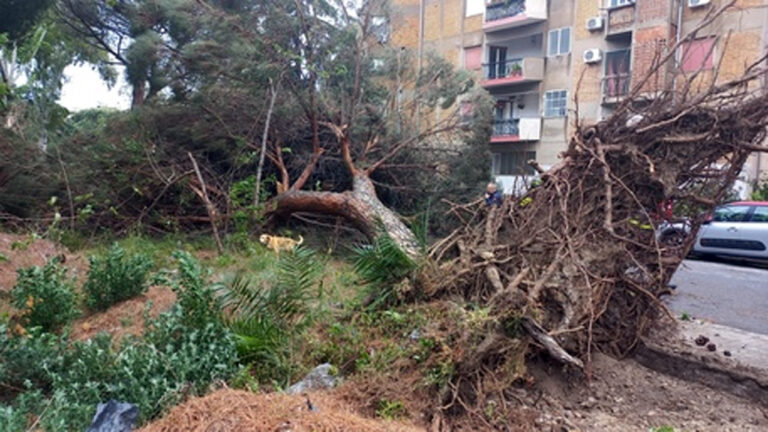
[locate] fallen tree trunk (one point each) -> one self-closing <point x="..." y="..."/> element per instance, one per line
<point x="360" y="206"/>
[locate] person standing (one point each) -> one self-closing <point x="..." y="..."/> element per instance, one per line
<point x="492" y="195"/>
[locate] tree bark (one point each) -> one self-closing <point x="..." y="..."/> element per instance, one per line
<point x="262" y="155"/>
<point x="138" y="94"/>
<point x="202" y="192"/>
<point x="360" y="206"/>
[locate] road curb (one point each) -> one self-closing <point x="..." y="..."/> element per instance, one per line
<point x="737" y="364"/>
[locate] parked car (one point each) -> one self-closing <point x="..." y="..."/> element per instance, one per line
<point x="673" y="233"/>
<point x="736" y="229"/>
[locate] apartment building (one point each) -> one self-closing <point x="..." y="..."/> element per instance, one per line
<point x="537" y="57"/>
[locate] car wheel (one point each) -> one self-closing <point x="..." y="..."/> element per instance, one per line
<point x="673" y="238"/>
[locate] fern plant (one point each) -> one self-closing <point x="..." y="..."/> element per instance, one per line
<point x="267" y="315"/>
<point x="382" y="265"/>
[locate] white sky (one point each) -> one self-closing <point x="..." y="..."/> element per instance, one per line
<point x="85" y="89"/>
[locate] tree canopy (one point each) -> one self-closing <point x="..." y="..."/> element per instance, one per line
<point x="202" y="73"/>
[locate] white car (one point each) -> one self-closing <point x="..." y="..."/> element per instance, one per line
<point x="736" y="229"/>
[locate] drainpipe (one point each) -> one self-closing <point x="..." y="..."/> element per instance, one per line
<point x="421" y="52"/>
<point x="678" y="32"/>
<point x="759" y="156"/>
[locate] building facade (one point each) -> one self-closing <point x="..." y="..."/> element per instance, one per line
<point x="537" y="58"/>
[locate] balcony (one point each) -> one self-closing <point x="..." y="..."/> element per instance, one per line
<point x="515" y="71"/>
<point x="511" y="130"/>
<point x="621" y="19"/>
<point x="504" y="14"/>
<point x="615" y="87"/>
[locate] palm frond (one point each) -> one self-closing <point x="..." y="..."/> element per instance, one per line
<point x="381" y="265"/>
<point x="265" y="315"/>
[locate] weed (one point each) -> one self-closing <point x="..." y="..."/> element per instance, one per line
<point x="662" y="429"/>
<point x="45" y="296"/>
<point x="685" y="316"/>
<point x="115" y="277"/>
<point x="391" y="410"/>
<point x="440" y="375"/>
<point x="426" y="346"/>
<point x="342" y="345"/>
<point x="244" y="379"/>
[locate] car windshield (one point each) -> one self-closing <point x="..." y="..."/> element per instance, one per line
<point x="730" y="213"/>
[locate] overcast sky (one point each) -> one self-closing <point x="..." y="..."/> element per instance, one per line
<point x="85" y="89"/>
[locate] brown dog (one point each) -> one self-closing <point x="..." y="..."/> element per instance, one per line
<point x="278" y="244"/>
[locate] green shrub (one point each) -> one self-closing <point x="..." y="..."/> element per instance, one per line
<point x="115" y="277"/>
<point x="172" y="362"/>
<point x="45" y="296"/>
<point x="760" y="193"/>
<point x="194" y="293"/>
<point x="24" y="361"/>
<point x="182" y="353"/>
<point x="16" y="417"/>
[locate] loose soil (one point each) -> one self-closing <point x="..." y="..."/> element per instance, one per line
<point x="237" y="410"/>
<point x="20" y="251"/>
<point x="125" y="318"/>
<point x="625" y="396"/>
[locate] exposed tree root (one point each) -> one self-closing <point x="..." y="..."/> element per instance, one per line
<point x="576" y="264"/>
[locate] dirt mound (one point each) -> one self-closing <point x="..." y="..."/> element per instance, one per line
<point x="20" y="251"/>
<point x="625" y="396"/>
<point x="236" y="410"/>
<point x="126" y="318"/>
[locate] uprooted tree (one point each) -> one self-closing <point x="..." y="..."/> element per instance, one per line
<point x="370" y="111"/>
<point x="577" y="265"/>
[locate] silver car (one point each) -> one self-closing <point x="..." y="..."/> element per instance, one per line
<point x="737" y="229"/>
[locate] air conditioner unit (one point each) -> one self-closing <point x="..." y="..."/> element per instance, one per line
<point x="697" y="3"/>
<point x="595" y="23"/>
<point x="593" y="55"/>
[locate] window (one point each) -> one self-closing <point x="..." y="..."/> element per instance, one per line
<point x="513" y="163"/>
<point x="731" y="214"/>
<point x="616" y="81"/>
<point x="473" y="57"/>
<point x="697" y="54"/>
<point x="617" y="3"/>
<point x="760" y="214"/>
<point x="555" y="102"/>
<point x="559" y="42"/>
<point x="475" y="7"/>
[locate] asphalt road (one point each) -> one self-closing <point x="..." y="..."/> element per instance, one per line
<point x="730" y="293"/>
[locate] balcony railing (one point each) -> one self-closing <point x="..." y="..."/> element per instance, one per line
<point x="506" y="127"/>
<point x="504" y="9"/>
<point x="616" y="86"/>
<point x="509" y="68"/>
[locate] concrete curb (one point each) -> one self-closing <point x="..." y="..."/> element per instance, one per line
<point x="674" y="351"/>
